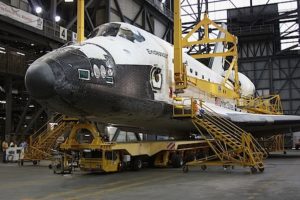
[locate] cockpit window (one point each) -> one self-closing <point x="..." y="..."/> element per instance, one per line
<point x="111" y="29"/>
<point x="130" y="35"/>
<point x="114" y="29"/>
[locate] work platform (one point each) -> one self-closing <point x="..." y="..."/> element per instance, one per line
<point x="231" y="145"/>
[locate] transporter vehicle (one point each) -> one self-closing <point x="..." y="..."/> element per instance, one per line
<point x="121" y="148"/>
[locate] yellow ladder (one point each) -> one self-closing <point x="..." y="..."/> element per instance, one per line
<point x="41" y="142"/>
<point x="230" y="145"/>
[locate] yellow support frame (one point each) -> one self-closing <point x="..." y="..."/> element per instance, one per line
<point x="263" y="104"/>
<point x="180" y="76"/>
<point x="80" y="21"/>
<point x="231" y="145"/>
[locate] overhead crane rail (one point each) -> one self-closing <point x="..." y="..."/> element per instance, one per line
<point x="232" y="145"/>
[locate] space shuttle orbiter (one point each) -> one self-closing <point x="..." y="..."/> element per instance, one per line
<point x="124" y="75"/>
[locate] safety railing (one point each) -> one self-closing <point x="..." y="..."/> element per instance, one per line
<point x="263" y="104"/>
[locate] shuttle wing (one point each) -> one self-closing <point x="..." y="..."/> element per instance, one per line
<point x="260" y="124"/>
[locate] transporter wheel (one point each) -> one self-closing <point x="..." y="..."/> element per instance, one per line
<point x="35" y="162"/>
<point x="121" y="166"/>
<point x="261" y="169"/>
<point x="137" y="164"/>
<point x="177" y="161"/>
<point x="185" y="169"/>
<point x="203" y="167"/>
<point x="21" y="162"/>
<point x="253" y="170"/>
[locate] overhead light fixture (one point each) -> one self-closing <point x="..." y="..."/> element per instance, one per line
<point x="38" y="10"/>
<point x="19" y="53"/>
<point x="57" y="18"/>
<point x="68" y="1"/>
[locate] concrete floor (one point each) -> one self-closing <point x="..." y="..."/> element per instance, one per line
<point x="281" y="180"/>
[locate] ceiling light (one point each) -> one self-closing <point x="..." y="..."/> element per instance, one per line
<point x="68" y="1"/>
<point x="19" y="53"/>
<point x="38" y="10"/>
<point x="57" y="18"/>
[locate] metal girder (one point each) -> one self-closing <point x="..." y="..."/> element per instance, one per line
<point x="89" y="19"/>
<point x="149" y="22"/>
<point x="298" y="11"/>
<point x="74" y="19"/>
<point x="137" y="15"/>
<point x="289" y="76"/>
<point x="22" y="117"/>
<point x="36" y="116"/>
<point x="166" y="31"/>
<point x="8" y="105"/>
<point x="119" y="11"/>
<point x="53" y="8"/>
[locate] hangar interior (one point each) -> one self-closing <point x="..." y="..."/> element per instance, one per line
<point x="268" y="53"/>
<point x="268" y="44"/>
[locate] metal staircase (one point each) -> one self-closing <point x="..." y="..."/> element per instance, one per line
<point x="43" y="141"/>
<point x="230" y="145"/>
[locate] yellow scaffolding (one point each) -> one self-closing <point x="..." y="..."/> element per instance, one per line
<point x="230" y="145"/>
<point x="263" y="104"/>
<point x="230" y="42"/>
<point x="80" y="20"/>
<point x="273" y="143"/>
<point x="43" y="141"/>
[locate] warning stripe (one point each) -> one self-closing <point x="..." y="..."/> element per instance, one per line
<point x="171" y="146"/>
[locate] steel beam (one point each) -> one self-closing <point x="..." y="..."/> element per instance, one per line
<point x="31" y="123"/>
<point x="119" y="10"/>
<point x="298" y="11"/>
<point x="22" y="117"/>
<point x="8" y="105"/>
<point x="74" y="19"/>
<point x="53" y="7"/>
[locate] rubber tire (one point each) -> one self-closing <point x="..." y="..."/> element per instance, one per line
<point x="35" y="162"/>
<point x="203" y="167"/>
<point x="121" y="167"/>
<point x="137" y="164"/>
<point x="261" y="169"/>
<point x="253" y="170"/>
<point x="177" y="161"/>
<point x="21" y="163"/>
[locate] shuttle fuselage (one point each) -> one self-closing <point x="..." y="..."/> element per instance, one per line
<point x="121" y="75"/>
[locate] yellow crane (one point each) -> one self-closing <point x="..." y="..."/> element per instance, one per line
<point x="180" y="42"/>
<point x="232" y="145"/>
<point x="80" y="21"/>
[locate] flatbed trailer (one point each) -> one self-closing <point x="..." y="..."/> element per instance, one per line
<point x="99" y="155"/>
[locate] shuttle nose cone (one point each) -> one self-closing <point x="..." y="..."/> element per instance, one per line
<point x="39" y="80"/>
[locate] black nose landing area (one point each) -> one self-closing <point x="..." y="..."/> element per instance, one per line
<point x="39" y="81"/>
